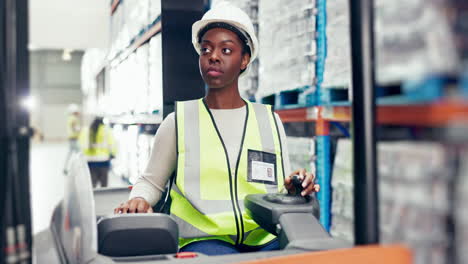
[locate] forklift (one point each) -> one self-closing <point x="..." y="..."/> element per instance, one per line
<point x="83" y="227"/>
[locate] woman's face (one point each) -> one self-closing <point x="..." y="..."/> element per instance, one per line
<point x="221" y="58"/>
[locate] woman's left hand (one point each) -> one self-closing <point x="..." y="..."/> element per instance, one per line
<point x="307" y="180"/>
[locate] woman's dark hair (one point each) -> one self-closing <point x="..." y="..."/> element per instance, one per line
<point x="242" y="36"/>
<point x="93" y="131"/>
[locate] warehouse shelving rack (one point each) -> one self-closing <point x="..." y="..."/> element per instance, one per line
<point x="174" y="25"/>
<point x="146" y="34"/>
<point x="424" y="115"/>
<point x="436" y="112"/>
<point x="428" y="114"/>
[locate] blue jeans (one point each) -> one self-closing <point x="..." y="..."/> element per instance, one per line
<point x="218" y="247"/>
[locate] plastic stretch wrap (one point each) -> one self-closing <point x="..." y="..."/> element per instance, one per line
<point x="301" y="153"/>
<point x="414" y="202"/>
<point x="155" y="74"/>
<point x="461" y="209"/>
<point x="413" y="39"/>
<point x="287" y="45"/>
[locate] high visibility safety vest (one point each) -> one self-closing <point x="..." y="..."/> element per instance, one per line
<point x="73" y="127"/>
<point x="102" y="149"/>
<point x="208" y="194"/>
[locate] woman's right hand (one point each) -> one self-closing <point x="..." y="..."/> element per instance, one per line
<point x="135" y="205"/>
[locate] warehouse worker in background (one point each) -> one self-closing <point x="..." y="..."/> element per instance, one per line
<point x="98" y="147"/>
<point x="221" y="147"/>
<point x="73" y="132"/>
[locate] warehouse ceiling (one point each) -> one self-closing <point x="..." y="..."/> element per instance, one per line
<point x="68" y="24"/>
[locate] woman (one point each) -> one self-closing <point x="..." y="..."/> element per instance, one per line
<point x="97" y="145"/>
<point x="221" y="148"/>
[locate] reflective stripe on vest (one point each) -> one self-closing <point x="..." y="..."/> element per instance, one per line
<point x="102" y="149"/>
<point x="207" y="199"/>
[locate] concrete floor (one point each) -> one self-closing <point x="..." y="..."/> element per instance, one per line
<point x="47" y="180"/>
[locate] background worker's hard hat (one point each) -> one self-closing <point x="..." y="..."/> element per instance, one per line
<point x="73" y="108"/>
<point x="227" y="13"/>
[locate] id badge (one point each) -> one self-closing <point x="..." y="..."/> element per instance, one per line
<point x="261" y="167"/>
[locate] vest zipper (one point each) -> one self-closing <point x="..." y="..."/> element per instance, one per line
<point x="233" y="187"/>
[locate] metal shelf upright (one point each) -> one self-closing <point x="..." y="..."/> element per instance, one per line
<point x="322" y="161"/>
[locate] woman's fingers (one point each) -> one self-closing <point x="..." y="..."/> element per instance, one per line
<point x="118" y="210"/>
<point x="125" y="208"/>
<point x="316" y="187"/>
<point x="309" y="185"/>
<point x="142" y="207"/>
<point x="309" y="178"/>
<point x="303" y="176"/>
<point x="135" y="205"/>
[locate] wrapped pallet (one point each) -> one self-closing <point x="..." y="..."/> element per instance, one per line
<point x="461" y="209"/>
<point x="413" y="39"/>
<point x="301" y="153"/>
<point x="287" y="45"/>
<point x="414" y="182"/>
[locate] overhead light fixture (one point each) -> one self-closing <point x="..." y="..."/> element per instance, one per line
<point x="66" y="55"/>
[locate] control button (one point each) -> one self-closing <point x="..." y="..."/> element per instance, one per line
<point x="184" y="255"/>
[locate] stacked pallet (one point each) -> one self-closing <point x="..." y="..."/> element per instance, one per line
<point x="414" y="182"/>
<point x="132" y="93"/>
<point x="301" y="153"/>
<point x="92" y="64"/>
<point x="461" y="209"/>
<point x="338" y="61"/>
<point x="412" y="40"/>
<point x="155" y="75"/>
<point x="129" y="21"/>
<point x="287" y="45"/>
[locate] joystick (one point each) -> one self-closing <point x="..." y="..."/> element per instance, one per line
<point x="297" y="183"/>
<point x="295" y="198"/>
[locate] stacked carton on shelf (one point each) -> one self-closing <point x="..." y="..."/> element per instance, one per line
<point x="92" y="64"/>
<point x="141" y="78"/>
<point x="301" y="153"/>
<point x="413" y="39"/>
<point x="461" y="209"/>
<point x="287" y="45"/>
<point x="337" y="63"/>
<point x="414" y="180"/>
<point x="155" y="74"/>
<point x="342" y="192"/>
<point x="134" y="83"/>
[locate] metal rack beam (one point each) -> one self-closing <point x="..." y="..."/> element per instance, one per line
<point x="423" y="115"/>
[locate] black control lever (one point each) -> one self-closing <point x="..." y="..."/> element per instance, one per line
<point x="297" y="183"/>
<point x="295" y="198"/>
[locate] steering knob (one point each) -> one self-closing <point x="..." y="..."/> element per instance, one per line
<point x="297" y="183"/>
<point x="295" y="198"/>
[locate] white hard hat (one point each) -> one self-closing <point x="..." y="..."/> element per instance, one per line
<point x="226" y="12"/>
<point x="73" y="108"/>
